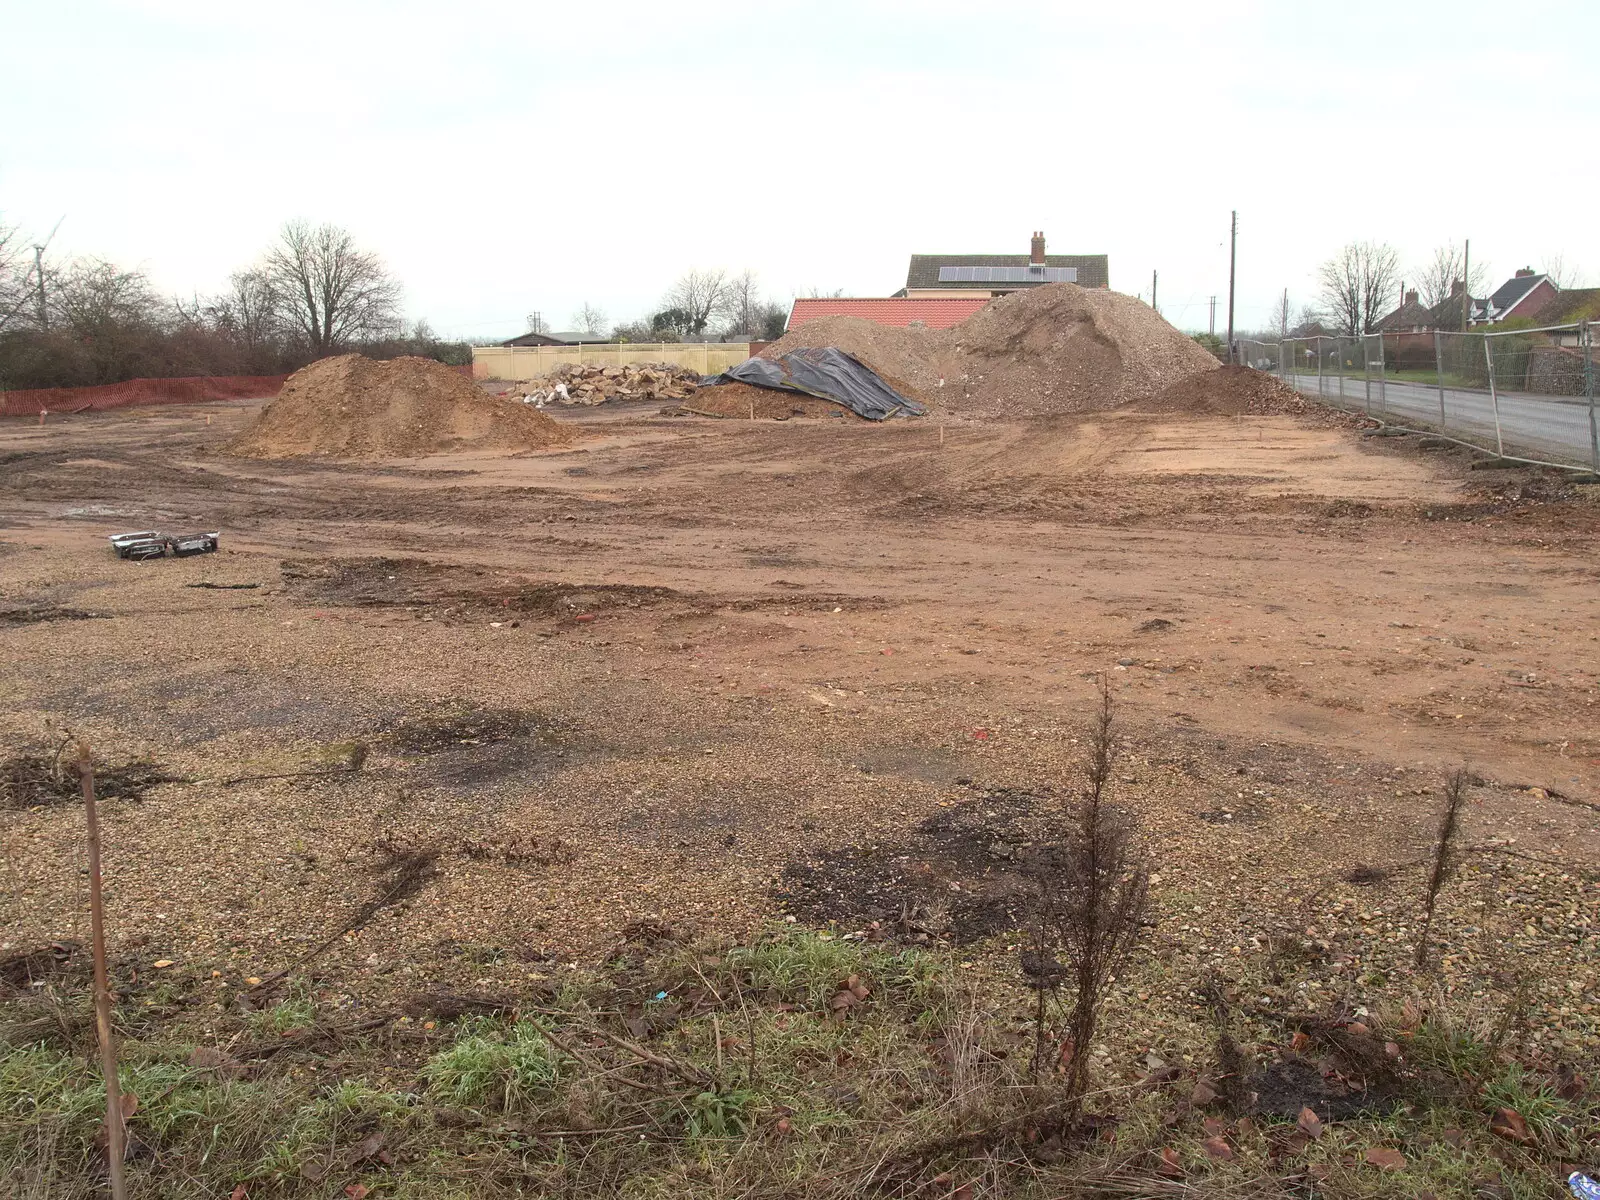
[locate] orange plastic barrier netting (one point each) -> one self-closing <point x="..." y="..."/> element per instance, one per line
<point x="196" y="390"/>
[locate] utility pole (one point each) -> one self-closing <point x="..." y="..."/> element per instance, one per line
<point x="1466" y="285"/>
<point x="1284" y="314"/>
<point x="1211" y="326"/>
<point x="1233" y="259"/>
<point x="1153" y="291"/>
<point x="38" y="270"/>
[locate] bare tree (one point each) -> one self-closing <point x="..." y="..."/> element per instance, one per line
<point x="1282" y="315"/>
<point x="1437" y="280"/>
<point x="698" y="296"/>
<point x="1563" y="274"/>
<point x="21" y="305"/>
<point x="250" y="313"/>
<point x="15" y="265"/>
<point x="113" y="316"/>
<point x="333" y="293"/>
<point x="743" y="305"/>
<point x="589" y="319"/>
<point x="536" y="323"/>
<point x="93" y="295"/>
<point x="1358" y="285"/>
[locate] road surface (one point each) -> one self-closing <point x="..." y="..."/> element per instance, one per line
<point x="1557" y="427"/>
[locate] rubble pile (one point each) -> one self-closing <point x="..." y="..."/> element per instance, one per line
<point x="575" y="384"/>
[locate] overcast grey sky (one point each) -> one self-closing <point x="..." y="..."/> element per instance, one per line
<point x="507" y="157"/>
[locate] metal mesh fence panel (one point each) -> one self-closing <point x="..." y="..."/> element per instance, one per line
<point x="1263" y="356"/>
<point x="1520" y="393"/>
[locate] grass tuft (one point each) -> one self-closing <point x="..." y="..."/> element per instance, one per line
<point x="507" y="1068"/>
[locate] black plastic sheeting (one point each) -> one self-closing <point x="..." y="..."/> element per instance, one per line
<point x="827" y="373"/>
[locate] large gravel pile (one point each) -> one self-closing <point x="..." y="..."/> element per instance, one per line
<point x="353" y="407"/>
<point x="1230" y="391"/>
<point x="1057" y="348"/>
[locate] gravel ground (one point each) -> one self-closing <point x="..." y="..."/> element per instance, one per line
<point x="723" y="672"/>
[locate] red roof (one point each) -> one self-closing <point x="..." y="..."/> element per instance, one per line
<point x="935" y="314"/>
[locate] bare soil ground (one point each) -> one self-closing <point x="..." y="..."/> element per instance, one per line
<point x="716" y="672"/>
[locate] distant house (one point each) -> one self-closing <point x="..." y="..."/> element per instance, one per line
<point x="1525" y="294"/>
<point x="1570" y="308"/>
<point x="988" y="275"/>
<point x="932" y="313"/>
<point x="557" y="339"/>
<point x="1447" y="314"/>
<point x="1410" y="317"/>
<point x="1312" y="329"/>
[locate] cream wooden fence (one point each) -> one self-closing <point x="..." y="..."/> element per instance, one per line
<point x="514" y="363"/>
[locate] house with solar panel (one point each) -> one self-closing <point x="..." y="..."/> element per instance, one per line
<point x="935" y="276"/>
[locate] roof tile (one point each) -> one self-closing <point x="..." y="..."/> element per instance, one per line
<point x="935" y="314"/>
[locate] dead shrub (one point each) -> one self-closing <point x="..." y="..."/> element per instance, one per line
<point x="1090" y="895"/>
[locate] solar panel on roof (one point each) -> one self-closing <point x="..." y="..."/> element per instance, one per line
<point x="1027" y="274"/>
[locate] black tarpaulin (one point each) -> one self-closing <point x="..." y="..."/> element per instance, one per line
<point x="827" y="373"/>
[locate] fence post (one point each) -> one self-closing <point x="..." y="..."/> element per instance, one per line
<point x="1383" y="377"/>
<point x="1494" y="398"/>
<point x="1438" y="367"/>
<point x="1366" y="372"/>
<point x="1588" y="389"/>
<point x="1338" y="351"/>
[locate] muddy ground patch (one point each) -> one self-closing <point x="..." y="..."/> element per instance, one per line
<point x="958" y="876"/>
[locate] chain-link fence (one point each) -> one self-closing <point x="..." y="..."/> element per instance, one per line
<point x="1520" y="393"/>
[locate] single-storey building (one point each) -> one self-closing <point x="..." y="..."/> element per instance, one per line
<point x="558" y="339"/>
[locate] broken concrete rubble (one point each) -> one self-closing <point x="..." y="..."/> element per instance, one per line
<point x="578" y="384"/>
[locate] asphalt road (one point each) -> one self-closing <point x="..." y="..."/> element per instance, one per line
<point x="1551" y="426"/>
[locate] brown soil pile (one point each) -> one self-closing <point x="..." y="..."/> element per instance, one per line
<point x="1052" y="349"/>
<point x="1230" y="391"/>
<point x="739" y="400"/>
<point x="353" y="407"/>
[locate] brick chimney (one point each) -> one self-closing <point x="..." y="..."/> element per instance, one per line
<point x="1411" y="296"/>
<point x="1036" y="257"/>
<point x="1455" y="287"/>
<point x="1524" y="272"/>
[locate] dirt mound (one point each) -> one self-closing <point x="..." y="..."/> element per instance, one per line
<point x="1057" y="348"/>
<point x="1229" y="391"/>
<point x="740" y="400"/>
<point x="353" y="407"/>
<point x="917" y="357"/>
